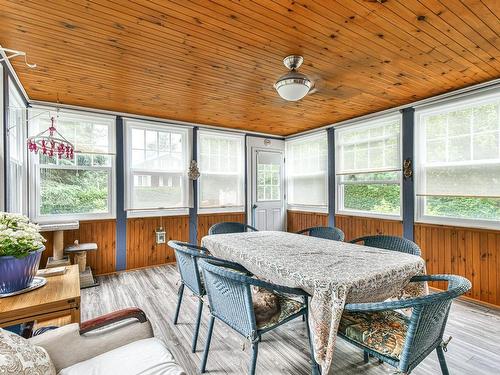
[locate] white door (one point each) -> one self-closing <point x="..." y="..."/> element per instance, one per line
<point x="267" y="187"/>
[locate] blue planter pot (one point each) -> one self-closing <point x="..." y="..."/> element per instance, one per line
<point x="18" y="273"/>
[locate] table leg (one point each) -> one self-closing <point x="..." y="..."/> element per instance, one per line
<point x="75" y="315"/>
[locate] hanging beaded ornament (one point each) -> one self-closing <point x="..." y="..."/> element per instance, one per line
<point x="51" y="144"/>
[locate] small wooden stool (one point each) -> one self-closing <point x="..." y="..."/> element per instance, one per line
<point x="79" y="252"/>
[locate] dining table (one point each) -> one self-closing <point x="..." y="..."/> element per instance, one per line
<point x="333" y="273"/>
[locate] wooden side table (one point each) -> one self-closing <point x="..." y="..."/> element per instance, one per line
<point x="59" y="297"/>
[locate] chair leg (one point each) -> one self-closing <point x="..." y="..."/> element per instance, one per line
<point x="179" y="300"/>
<point x="305" y="303"/>
<point x="442" y="360"/>
<point x="366" y="357"/>
<point x="315" y="367"/>
<point x="253" y="363"/>
<point x="197" y="328"/>
<point x="207" y="344"/>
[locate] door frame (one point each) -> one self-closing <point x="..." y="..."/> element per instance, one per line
<point x="264" y="144"/>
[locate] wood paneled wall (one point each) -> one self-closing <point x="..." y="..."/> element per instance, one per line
<point x="205" y="221"/>
<point x="297" y="220"/>
<point x="102" y="232"/>
<point x="357" y="226"/>
<point x="473" y="253"/>
<point x="142" y="250"/>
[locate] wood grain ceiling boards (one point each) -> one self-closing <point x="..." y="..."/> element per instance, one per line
<point x="215" y="62"/>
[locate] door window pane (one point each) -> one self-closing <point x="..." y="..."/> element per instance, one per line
<point x="268" y="176"/>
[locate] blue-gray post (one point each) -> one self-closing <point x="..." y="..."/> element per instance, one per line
<point x="121" y="214"/>
<point x="331" y="176"/>
<point x="247" y="219"/>
<point x="193" y="211"/>
<point x="408" y="181"/>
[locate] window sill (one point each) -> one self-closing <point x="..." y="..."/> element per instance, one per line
<point x="369" y="215"/>
<point x="61" y="219"/>
<point x="461" y="223"/>
<point x="219" y="210"/>
<point x="304" y="208"/>
<point x="158" y="213"/>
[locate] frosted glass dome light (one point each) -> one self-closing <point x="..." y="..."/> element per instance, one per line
<point x="293" y="85"/>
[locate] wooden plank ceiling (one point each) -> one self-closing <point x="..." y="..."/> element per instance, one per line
<point x="215" y="62"/>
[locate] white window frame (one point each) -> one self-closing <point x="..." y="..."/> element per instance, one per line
<point x="214" y="210"/>
<point x="446" y="106"/>
<point x="306" y="207"/>
<point x="130" y="123"/>
<point x="339" y="188"/>
<point x="16" y="102"/>
<point x="35" y="167"/>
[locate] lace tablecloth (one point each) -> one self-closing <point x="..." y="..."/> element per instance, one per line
<point x="332" y="272"/>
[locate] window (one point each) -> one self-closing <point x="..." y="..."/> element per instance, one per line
<point x="158" y="158"/>
<point x="221" y="161"/>
<point x="82" y="188"/>
<point x="307" y="172"/>
<point x="368" y="168"/>
<point x="16" y="136"/>
<point x="269" y="176"/>
<point x="458" y="149"/>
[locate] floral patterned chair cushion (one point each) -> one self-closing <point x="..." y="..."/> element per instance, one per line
<point x="18" y="356"/>
<point x="383" y="331"/>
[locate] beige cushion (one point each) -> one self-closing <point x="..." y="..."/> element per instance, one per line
<point x="19" y="356"/>
<point x="66" y="346"/>
<point x="144" y="357"/>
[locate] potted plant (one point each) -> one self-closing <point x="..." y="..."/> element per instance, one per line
<point x="21" y="247"/>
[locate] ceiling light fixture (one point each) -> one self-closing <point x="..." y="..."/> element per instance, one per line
<point x="293" y="85"/>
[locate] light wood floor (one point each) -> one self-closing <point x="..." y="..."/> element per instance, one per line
<point x="475" y="348"/>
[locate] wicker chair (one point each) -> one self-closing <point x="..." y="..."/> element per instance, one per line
<point x="230" y="227"/>
<point x="397" y="339"/>
<point x="330" y="233"/>
<point x="230" y="297"/>
<point x="187" y="256"/>
<point x="390" y="243"/>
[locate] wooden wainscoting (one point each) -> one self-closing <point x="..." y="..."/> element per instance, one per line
<point x="357" y="226"/>
<point x="297" y="220"/>
<point x="102" y="232"/>
<point x="142" y="249"/>
<point x="205" y="221"/>
<point x="473" y="253"/>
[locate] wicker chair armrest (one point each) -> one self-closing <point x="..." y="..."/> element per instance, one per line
<point x="244" y="278"/>
<point x="181" y="245"/>
<point x="463" y="286"/>
<point x="360" y="239"/>
<point x="303" y="231"/>
<point x="277" y="288"/>
<point x="227" y="264"/>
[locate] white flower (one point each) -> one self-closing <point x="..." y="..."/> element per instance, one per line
<point x="18" y="236"/>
